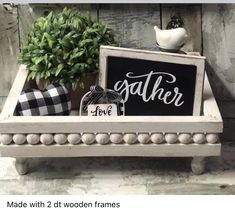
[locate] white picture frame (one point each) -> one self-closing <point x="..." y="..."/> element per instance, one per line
<point x="198" y="61"/>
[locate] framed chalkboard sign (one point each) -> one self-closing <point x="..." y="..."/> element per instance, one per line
<point x="153" y="83"/>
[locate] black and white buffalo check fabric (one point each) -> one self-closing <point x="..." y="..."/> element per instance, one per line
<point x="54" y="100"/>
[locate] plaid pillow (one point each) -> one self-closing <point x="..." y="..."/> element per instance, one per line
<point x="54" y="100"/>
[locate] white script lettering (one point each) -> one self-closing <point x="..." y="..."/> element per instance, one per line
<point x="141" y="88"/>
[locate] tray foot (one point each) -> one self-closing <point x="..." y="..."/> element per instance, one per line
<point x="198" y="165"/>
<point x="22" y="166"/>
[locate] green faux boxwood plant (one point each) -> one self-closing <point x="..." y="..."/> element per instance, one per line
<point x="64" y="48"/>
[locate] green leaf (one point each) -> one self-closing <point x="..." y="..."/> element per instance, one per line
<point x="50" y="15"/>
<point x="65" y="55"/>
<point x="104" y="29"/>
<point x="59" y="68"/>
<point x="37" y="60"/>
<point x="78" y="54"/>
<point x="38" y="79"/>
<point x="81" y="85"/>
<point x="85" y="42"/>
<point x="89" y="61"/>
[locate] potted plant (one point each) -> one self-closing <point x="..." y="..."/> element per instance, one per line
<point x="64" y="48"/>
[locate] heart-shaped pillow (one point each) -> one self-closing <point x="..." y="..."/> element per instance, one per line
<point x="54" y="100"/>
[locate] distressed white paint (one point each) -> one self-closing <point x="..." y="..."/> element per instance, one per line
<point x="150" y="150"/>
<point x="210" y="107"/>
<point x="2" y="101"/>
<point x="9" y="47"/>
<point x="218" y="40"/>
<point x="132" y="24"/>
<point x="198" y="165"/>
<point x="118" y="124"/>
<point x="16" y="89"/>
<point x="105" y="138"/>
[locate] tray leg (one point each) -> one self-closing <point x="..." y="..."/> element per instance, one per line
<point x="198" y="165"/>
<point x="22" y="166"/>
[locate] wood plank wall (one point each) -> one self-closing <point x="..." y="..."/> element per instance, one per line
<point x="210" y="28"/>
<point x="9" y="48"/>
<point x="218" y="23"/>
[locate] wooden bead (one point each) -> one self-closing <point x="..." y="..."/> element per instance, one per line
<point x="88" y="138"/>
<point x="74" y="138"/>
<point x="19" y="139"/>
<point x="46" y="139"/>
<point x="212" y="138"/>
<point x="130" y="138"/>
<point x="6" y="139"/>
<point x="171" y="138"/>
<point x="60" y="138"/>
<point x="144" y="138"/>
<point x="199" y="138"/>
<point x="185" y="138"/>
<point x="33" y="139"/>
<point x="116" y="138"/>
<point x="102" y="138"/>
<point x="157" y="138"/>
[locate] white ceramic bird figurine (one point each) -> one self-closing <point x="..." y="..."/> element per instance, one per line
<point x="170" y="38"/>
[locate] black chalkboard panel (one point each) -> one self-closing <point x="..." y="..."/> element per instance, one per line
<point x="152" y="87"/>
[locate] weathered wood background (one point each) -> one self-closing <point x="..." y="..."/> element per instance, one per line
<point x="210" y="27"/>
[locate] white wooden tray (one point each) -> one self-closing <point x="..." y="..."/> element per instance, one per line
<point x="79" y="136"/>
